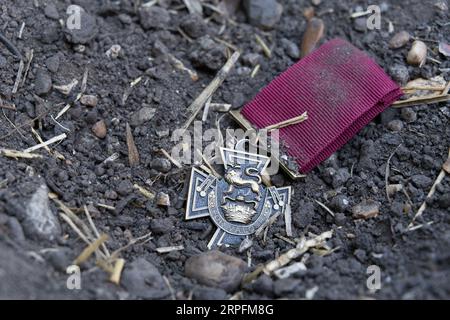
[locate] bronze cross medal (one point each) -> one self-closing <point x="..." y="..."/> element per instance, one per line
<point x="238" y="204"/>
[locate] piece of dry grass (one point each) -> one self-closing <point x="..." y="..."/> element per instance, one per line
<point x="325" y="207"/>
<point x="46" y="143"/>
<point x="19" y="154"/>
<point x="169" y="249"/>
<point x="264" y="46"/>
<point x="90" y="249"/>
<point x="200" y="101"/>
<point x="146" y="193"/>
<point x="117" y="271"/>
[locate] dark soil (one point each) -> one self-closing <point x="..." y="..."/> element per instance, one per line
<point x="414" y="265"/>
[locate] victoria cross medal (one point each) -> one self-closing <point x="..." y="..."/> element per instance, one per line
<point x="239" y="204"/>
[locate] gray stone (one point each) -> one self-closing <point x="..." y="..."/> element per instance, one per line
<point x="263" y="285"/>
<point x="51" y="11"/>
<point x="3" y="61"/>
<point x="340" y="218"/>
<point x="421" y="181"/>
<point x="89" y="100"/>
<point x="444" y="201"/>
<point x="251" y="59"/>
<point x="85" y="32"/>
<point x="124" y="188"/>
<point x="208" y="293"/>
<point x="399" y="73"/>
<point x="208" y="54"/>
<point x="360" y="24"/>
<point x="143" y="115"/>
<point x="161" y="225"/>
<point x="52" y="63"/>
<point x="341" y="177"/>
<point x="154" y="17"/>
<point x="194" y="26"/>
<point x="291" y="49"/>
<point x="161" y="164"/>
<point x="408" y="114"/>
<point x="263" y="13"/>
<point x="15" y="230"/>
<point x="395" y="125"/>
<point x="340" y="203"/>
<point x="59" y="258"/>
<point x="216" y="269"/>
<point x="285" y="286"/>
<point x="142" y="279"/>
<point x="42" y="82"/>
<point x="40" y="222"/>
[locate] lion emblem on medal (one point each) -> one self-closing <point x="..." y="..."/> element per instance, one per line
<point x="239" y="203"/>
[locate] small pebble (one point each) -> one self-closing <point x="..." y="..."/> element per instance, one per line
<point x="366" y="209"/>
<point x="89" y="100"/>
<point x="99" y="129"/>
<point x="161" y="164"/>
<point x="42" y="82"/>
<point x="399" y="73"/>
<point x="399" y="40"/>
<point x="408" y="114"/>
<point x="395" y="125"/>
<point x="163" y="199"/>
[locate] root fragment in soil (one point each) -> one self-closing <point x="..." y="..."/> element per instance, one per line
<point x="302" y="247"/>
<point x="445" y="170"/>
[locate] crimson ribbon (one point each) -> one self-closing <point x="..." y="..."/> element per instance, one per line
<point x="340" y="87"/>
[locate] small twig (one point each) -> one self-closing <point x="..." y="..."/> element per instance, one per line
<point x="288" y="122"/>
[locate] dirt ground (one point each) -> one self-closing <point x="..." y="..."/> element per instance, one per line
<point x="33" y="260"/>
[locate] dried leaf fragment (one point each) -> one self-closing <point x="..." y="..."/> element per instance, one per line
<point x="133" y="154"/>
<point x="314" y="32"/>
